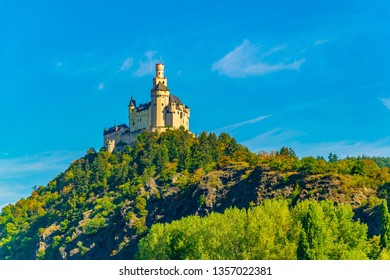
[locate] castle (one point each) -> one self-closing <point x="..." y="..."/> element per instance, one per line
<point x="163" y="112"/>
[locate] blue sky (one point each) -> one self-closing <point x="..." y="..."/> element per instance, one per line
<point x="311" y="75"/>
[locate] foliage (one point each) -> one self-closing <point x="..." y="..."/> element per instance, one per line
<point x="103" y="203"/>
<point x="310" y="230"/>
<point x="385" y="226"/>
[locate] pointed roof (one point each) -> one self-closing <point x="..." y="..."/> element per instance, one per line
<point x="132" y="102"/>
<point x="175" y="99"/>
<point x="160" y="86"/>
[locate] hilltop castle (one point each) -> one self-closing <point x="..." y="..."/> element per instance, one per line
<point x="164" y="111"/>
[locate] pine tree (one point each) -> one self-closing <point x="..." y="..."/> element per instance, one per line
<point x="311" y="239"/>
<point x="385" y="228"/>
<point x="303" y="247"/>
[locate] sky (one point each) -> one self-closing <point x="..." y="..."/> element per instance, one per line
<point x="306" y="74"/>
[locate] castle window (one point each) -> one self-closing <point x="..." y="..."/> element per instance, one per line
<point x="181" y="115"/>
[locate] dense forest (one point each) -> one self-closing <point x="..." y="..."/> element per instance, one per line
<point x="178" y="196"/>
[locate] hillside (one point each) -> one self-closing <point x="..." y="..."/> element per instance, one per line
<point x="103" y="204"/>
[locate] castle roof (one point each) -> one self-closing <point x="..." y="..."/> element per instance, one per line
<point x="160" y="86"/>
<point x="115" y="129"/>
<point x="132" y="102"/>
<point x="175" y="99"/>
<point x="145" y="106"/>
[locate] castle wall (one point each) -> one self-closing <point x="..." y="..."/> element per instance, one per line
<point x="116" y="136"/>
<point x="160" y="100"/>
<point x="140" y="120"/>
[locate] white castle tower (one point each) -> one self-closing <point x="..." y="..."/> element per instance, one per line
<point x="164" y="111"/>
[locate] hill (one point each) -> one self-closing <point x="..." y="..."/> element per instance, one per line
<point x="104" y="203"/>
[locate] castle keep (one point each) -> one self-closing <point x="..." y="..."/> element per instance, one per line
<point x="163" y="112"/>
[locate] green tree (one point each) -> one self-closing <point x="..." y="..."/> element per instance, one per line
<point x="333" y="157"/>
<point x="312" y="238"/>
<point x="385" y="226"/>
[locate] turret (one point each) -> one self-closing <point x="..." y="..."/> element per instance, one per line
<point x="160" y="78"/>
<point x="132" y="104"/>
<point x="110" y="145"/>
<point x="160" y="98"/>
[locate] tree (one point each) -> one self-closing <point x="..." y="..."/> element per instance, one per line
<point x="333" y="157"/>
<point x="308" y="165"/>
<point x="311" y="244"/>
<point x="288" y="152"/>
<point x="385" y="228"/>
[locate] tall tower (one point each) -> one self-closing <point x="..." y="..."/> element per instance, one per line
<point x="160" y="75"/>
<point x="160" y="99"/>
<point x="132" y="106"/>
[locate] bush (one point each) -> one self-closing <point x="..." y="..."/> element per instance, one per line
<point x="94" y="225"/>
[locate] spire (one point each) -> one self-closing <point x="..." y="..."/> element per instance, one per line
<point x="132" y="102"/>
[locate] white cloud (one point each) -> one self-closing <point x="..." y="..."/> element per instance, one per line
<point x="237" y="125"/>
<point x="19" y="174"/>
<point x="126" y="65"/>
<point x="146" y="67"/>
<point x="100" y="86"/>
<point x="20" y="166"/>
<point x="11" y="192"/>
<point x="275" y="139"/>
<point x="246" y="60"/>
<point x="386" y="102"/>
<point x="272" y="140"/>
<point x="346" y="148"/>
<point x="320" y="42"/>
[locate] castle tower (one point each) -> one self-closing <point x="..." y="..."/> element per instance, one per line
<point x="160" y="99"/>
<point x="160" y="75"/>
<point x="110" y="145"/>
<point x="164" y="111"/>
<point x="131" y="107"/>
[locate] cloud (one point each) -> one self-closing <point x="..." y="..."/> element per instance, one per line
<point x="126" y="65"/>
<point x="147" y="66"/>
<point x="246" y="60"/>
<point x="343" y="149"/>
<point x="12" y="192"/>
<point x="237" y="125"/>
<point x="20" y="166"/>
<point x="19" y="174"/>
<point x="272" y="140"/>
<point x="320" y="42"/>
<point x="100" y="86"/>
<point x="276" y="138"/>
<point x="386" y="102"/>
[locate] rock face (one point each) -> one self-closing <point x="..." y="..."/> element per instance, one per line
<point x="237" y="186"/>
<point x="152" y="202"/>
